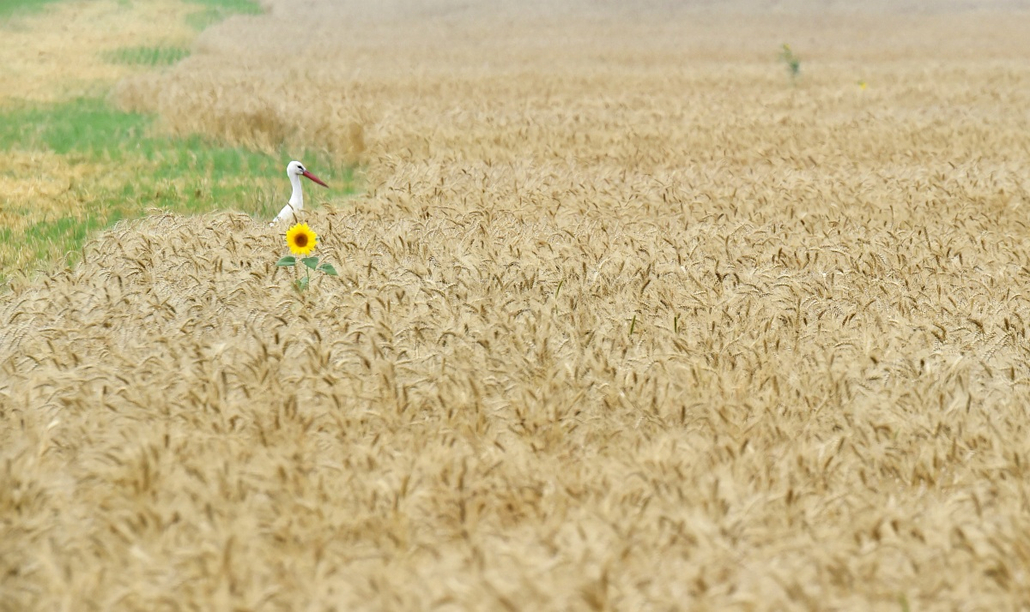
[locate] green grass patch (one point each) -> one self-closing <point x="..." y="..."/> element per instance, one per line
<point x="143" y="170"/>
<point x="81" y="126"/>
<point x="212" y="11"/>
<point x="217" y="10"/>
<point x="146" y="56"/>
<point x="17" y="8"/>
<point x="68" y="233"/>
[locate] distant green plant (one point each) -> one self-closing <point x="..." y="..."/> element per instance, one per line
<point x="146" y="56"/>
<point x="792" y="61"/>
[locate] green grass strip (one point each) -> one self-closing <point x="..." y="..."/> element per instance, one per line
<point x="18" y="8"/>
<point x="80" y="126"/>
<point x="146" y="56"/>
<point x="213" y="10"/>
<point x="217" y="10"/>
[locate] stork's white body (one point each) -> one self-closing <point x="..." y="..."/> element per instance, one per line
<point x="296" y="204"/>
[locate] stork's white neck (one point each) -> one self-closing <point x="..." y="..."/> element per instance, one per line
<point x="297" y="197"/>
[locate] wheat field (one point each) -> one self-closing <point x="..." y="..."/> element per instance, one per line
<point x="628" y="318"/>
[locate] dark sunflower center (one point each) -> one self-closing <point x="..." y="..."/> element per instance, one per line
<point x="301" y="240"/>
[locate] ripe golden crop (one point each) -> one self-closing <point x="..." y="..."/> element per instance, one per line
<point x="624" y="320"/>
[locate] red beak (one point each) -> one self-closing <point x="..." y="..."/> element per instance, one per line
<point x="314" y="178"/>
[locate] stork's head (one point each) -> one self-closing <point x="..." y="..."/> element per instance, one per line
<point x="297" y="169"/>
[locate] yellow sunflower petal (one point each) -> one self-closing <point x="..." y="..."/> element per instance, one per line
<point x="301" y="239"/>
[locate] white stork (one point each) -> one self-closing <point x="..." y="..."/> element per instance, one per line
<point x="295" y="170"/>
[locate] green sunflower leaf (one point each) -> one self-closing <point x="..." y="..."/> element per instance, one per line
<point x="302" y="283"/>
<point x="311" y="262"/>
<point x="328" y="269"/>
<point x="287" y="261"/>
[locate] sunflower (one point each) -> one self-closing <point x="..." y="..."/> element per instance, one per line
<point x="301" y="239"/>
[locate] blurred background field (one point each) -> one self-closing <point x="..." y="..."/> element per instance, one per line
<point x="72" y="163"/>
<point x="636" y="310"/>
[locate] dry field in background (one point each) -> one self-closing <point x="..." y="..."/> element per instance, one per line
<point x="58" y="55"/>
<point x="625" y="321"/>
